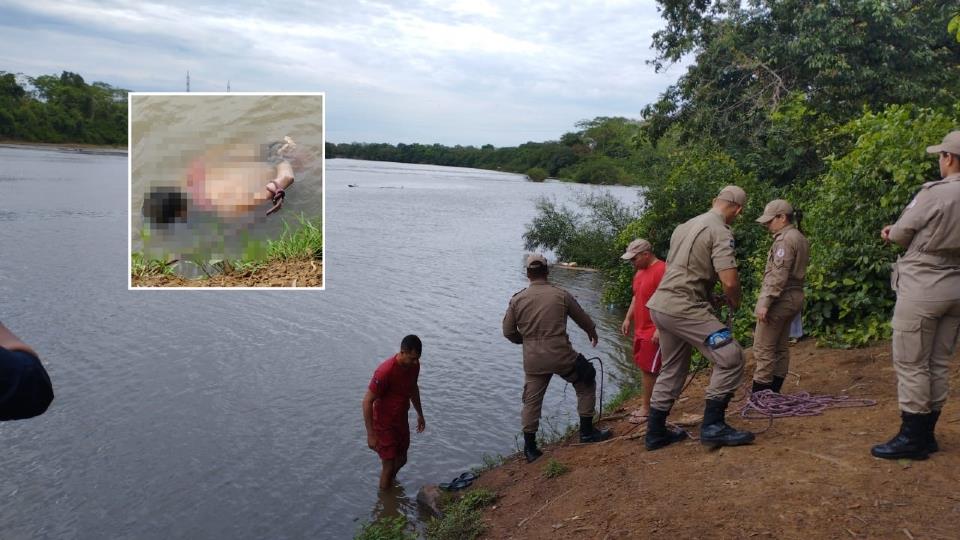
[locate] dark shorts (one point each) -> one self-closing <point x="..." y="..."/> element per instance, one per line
<point x="393" y="441"/>
<point x="25" y="389"/>
<point x="646" y="355"/>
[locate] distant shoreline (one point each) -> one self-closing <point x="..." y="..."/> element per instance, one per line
<point x="66" y="147"/>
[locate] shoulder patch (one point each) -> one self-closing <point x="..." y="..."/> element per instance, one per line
<point x="913" y="202"/>
<point x="780" y="252"/>
<point x="733" y="243"/>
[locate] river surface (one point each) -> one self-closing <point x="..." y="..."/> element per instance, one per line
<point x="236" y="414"/>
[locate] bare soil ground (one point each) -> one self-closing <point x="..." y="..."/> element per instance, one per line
<point x="289" y="273"/>
<point x="810" y="477"/>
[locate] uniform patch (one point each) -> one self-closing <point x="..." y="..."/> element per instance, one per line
<point x="732" y="244"/>
<point x="780" y="252"/>
<point x="912" y="203"/>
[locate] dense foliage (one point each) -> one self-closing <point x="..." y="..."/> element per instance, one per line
<point x="827" y="104"/>
<point x="61" y="109"/>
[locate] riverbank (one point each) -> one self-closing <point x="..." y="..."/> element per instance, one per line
<point x="809" y="477"/>
<point x="66" y="147"/>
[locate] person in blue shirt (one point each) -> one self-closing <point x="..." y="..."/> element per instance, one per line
<point x="25" y="388"/>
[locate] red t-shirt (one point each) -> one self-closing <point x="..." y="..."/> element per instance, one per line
<point x="645" y="283"/>
<point x="393" y="386"/>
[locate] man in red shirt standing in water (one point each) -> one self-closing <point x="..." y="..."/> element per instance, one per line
<point x="385" y="406"/>
<point x="646" y="339"/>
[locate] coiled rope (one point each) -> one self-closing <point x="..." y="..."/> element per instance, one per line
<point x="769" y="404"/>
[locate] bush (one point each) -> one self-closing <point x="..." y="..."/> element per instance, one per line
<point x="537" y="174"/>
<point x="849" y="299"/>
<point x="584" y="237"/>
<point x="554" y="469"/>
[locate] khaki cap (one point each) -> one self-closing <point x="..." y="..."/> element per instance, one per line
<point x="637" y="246"/>
<point x="773" y="209"/>
<point x="536" y="260"/>
<point x="734" y="194"/>
<point x="951" y="143"/>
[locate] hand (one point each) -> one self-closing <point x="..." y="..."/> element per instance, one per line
<point x="762" y="314"/>
<point x="421" y="424"/>
<point x="656" y="336"/>
<point x="593" y="340"/>
<point x="625" y="327"/>
<point x="885" y="233"/>
<point x="278" y="197"/>
<point x="372" y="441"/>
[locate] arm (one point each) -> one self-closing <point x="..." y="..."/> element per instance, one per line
<point x="731" y="286"/>
<point x="10" y="342"/>
<point x="580" y="317"/>
<point x="625" y="327"/>
<point x="278" y="185"/>
<point x="510" y="330"/>
<point x="775" y="277"/>
<point x="915" y="217"/>
<point x="415" y="399"/>
<point x="368" y="400"/>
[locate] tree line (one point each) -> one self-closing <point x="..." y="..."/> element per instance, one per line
<point x="62" y="109"/>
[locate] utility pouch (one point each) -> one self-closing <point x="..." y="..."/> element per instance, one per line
<point x="585" y="372"/>
<point x="719" y="338"/>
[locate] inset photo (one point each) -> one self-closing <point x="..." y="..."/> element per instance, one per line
<point x="226" y="190"/>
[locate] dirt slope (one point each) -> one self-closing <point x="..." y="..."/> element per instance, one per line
<point x="803" y="478"/>
<point x="291" y="273"/>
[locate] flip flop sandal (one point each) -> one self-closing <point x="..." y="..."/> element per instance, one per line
<point x="456" y="485"/>
<point x="637" y="419"/>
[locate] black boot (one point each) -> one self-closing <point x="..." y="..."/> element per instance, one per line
<point x="932" y="445"/>
<point x="715" y="432"/>
<point x="658" y="434"/>
<point x="759" y="387"/>
<point x="912" y="442"/>
<point x="589" y="434"/>
<point x="530" y="450"/>
<point x="777" y="384"/>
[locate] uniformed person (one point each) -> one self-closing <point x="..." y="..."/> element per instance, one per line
<point x="926" y="318"/>
<point x="781" y="295"/>
<point x="537" y="319"/>
<point x="701" y="252"/>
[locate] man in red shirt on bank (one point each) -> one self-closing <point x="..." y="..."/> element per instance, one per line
<point x="385" y="406"/>
<point x="646" y="339"/>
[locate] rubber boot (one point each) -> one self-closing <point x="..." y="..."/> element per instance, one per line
<point x="658" y="434"/>
<point x="715" y="431"/>
<point x="932" y="445"/>
<point x="911" y="442"/>
<point x="759" y="387"/>
<point x="530" y="450"/>
<point x="589" y="434"/>
<point x="777" y="384"/>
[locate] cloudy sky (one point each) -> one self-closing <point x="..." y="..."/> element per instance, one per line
<point x="453" y="72"/>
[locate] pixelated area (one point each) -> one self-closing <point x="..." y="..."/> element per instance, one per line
<point x="217" y="178"/>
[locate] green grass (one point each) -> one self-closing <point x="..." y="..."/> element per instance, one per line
<point x="554" y="469"/>
<point x="390" y="528"/>
<point x="626" y="392"/>
<point x="141" y="267"/>
<point x="462" y="519"/>
<point x="306" y="242"/>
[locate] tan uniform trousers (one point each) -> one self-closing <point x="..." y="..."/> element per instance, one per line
<point x="677" y="336"/>
<point x="925" y="336"/>
<point x="535" y="386"/>
<point x="771" y="347"/>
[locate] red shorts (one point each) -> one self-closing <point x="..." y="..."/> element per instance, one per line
<point x="646" y="355"/>
<point x="393" y="441"/>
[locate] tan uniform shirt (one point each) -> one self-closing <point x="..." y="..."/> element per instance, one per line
<point x="699" y="250"/>
<point x="786" y="265"/>
<point x="537" y="318"/>
<point x="930" y="230"/>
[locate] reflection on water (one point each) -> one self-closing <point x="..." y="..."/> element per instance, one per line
<point x="211" y="414"/>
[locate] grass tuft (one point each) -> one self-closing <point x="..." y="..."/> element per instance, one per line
<point x="554" y="469"/>
<point x="462" y="519"/>
<point x="306" y="242"/>
<point x="388" y="528"/>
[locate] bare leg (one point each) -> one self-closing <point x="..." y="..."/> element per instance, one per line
<point x="649" y="380"/>
<point x="388" y="473"/>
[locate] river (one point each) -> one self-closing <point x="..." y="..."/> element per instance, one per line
<point x="236" y="414"/>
